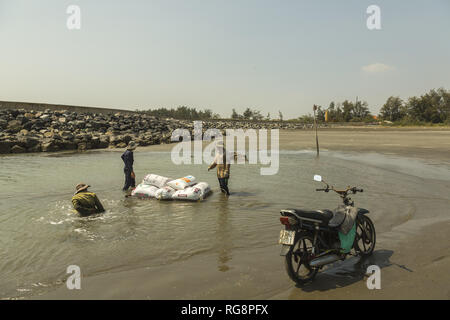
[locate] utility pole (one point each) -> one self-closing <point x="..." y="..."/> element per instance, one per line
<point x="315" y="125"/>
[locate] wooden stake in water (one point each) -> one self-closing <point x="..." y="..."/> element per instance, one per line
<point x="315" y="125"/>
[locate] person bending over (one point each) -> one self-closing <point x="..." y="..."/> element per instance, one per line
<point x="85" y="202"/>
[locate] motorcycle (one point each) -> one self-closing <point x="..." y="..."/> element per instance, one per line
<point x="312" y="239"/>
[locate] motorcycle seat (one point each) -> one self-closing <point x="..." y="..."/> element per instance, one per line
<point x="322" y="216"/>
<point x="337" y="219"/>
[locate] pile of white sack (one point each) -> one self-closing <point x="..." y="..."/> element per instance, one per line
<point x="162" y="188"/>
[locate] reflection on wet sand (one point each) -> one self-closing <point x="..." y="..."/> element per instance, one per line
<point x="224" y="239"/>
<point x="346" y="273"/>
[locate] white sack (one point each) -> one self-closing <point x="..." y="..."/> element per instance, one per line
<point x="155" y="180"/>
<point x="144" y="191"/>
<point x="165" y="193"/>
<point x="182" y="183"/>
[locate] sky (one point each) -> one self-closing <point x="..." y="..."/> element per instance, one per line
<point x="282" y="55"/>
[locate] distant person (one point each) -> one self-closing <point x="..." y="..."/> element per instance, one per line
<point x="85" y="202"/>
<point x="128" y="160"/>
<point x="223" y="168"/>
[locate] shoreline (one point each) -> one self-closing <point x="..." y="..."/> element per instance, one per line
<point x="423" y="143"/>
<point x="28" y="131"/>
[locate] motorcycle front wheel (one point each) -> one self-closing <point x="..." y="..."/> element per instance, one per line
<point x="298" y="257"/>
<point x="365" y="237"/>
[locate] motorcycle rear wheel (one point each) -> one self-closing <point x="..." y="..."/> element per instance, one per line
<point x="298" y="257"/>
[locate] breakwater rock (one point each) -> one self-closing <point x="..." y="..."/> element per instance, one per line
<point x="50" y="130"/>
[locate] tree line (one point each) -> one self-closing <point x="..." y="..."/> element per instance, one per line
<point x="432" y="107"/>
<point x="183" y="113"/>
<point x="347" y="111"/>
<point x="255" y="115"/>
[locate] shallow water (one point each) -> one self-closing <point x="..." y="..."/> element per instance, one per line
<point x="40" y="236"/>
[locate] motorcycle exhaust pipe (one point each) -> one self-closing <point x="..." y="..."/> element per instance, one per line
<point x="318" y="262"/>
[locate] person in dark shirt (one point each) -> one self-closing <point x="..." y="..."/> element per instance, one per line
<point x="128" y="160"/>
<point x="85" y="202"/>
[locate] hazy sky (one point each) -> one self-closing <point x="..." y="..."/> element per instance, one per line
<point x="272" y="55"/>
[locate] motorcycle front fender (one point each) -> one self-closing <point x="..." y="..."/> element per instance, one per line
<point x="362" y="211"/>
<point x="285" y="249"/>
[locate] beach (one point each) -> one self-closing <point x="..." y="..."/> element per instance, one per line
<point x="227" y="248"/>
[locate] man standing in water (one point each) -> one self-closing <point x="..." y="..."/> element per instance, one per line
<point x="85" y="202"/>
<point x="223" y="168"/>
<point x="128" y="160"/>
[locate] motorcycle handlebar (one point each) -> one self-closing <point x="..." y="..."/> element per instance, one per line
<point x="354" y="190"/>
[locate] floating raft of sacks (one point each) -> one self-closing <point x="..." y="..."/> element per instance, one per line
<point x="162" y="188"/>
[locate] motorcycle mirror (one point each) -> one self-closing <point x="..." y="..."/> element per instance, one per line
<point x="317" y="178"/>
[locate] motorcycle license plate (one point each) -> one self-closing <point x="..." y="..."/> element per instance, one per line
<point x="287" y="237"/>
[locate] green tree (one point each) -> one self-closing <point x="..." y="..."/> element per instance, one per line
<point x="320" y="114"/>
<point x="347" y="110"/>
<point x="393" y="109"/>
<point x="360" y="111"/>
<point x="256" y="115"/>
<point x="308" y="118"/>
<point x="431" y="107"/>
<point x="248" y="114"/>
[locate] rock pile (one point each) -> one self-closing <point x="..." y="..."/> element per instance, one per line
<point x="48" y="131"/>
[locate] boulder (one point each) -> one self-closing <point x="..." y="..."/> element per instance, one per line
<point x="5" y="147"/>
<point x="50" y="146"/>
<point x="36" y="148"/>
<point x="18" y="149"/>
<point x="3" y="123"/>
<point x="14" y="125"/>
<point x="66" y="135"/>
<point x="28" y="142"/>
<point x="68" y="145"/>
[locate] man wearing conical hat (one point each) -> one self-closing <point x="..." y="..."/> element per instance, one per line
<point x="85" y="202"/>
<point x="223" y="168"/>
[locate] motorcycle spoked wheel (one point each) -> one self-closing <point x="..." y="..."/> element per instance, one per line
<point x="298" y="258"/>
<point x="365" y="237"/>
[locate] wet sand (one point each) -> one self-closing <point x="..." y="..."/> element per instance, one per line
<point x="414" y="257"/>
<point x="424" y="143"/>
<point x="431" y="143"/>
<point x="415" y="266"/>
